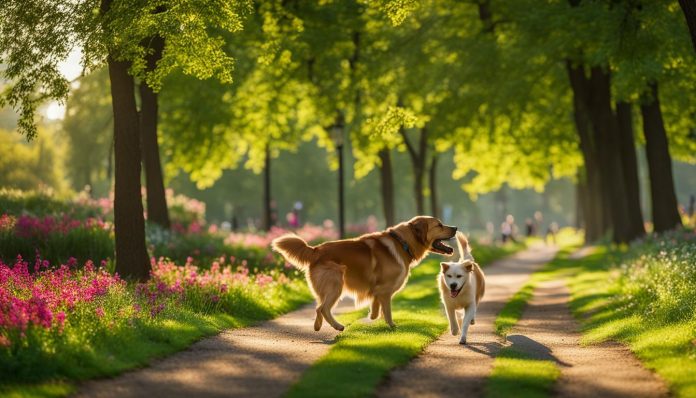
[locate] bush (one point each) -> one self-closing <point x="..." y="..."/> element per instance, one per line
<point x="56" y="239"/>
<point x="658" y="277"/>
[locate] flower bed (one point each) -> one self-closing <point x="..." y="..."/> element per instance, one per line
<point x="56" y="239"/>
<point x="70" y="322"/>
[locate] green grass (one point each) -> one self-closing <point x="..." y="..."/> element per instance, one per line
<point x="85" y="351"/>
<point x="667" y="346"/>
<point x="366" y="351"/>
<point x="516" y="374"/>
<point x="642" y="297"/>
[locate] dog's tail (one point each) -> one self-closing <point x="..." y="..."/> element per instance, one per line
<point x="295" y="250"/>
<point x="463" y="247"/>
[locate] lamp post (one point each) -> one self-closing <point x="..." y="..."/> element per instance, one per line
<point x="337" y="137"/>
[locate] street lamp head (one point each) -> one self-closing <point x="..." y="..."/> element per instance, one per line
<point x="337" y="134"/>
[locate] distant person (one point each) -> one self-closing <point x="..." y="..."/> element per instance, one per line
<point x="507" y="229"/>
<point x="293" y="219"/>
<point x="529" y="227"/>
<point x="551" y="231"/>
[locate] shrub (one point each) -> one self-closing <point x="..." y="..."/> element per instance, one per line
<point x="658" y="277"/>
<point x="56" y="239"/>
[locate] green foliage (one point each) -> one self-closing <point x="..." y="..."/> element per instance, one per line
<point x="121" y="29"/>
<point x="82" y="243"/>
<point x="88" y="128"/>
<point x="26" y="167"/>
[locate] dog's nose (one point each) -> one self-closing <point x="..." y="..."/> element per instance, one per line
<point x="453" y="286"/>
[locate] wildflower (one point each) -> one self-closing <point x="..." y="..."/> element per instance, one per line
<point x="100" y="312"/>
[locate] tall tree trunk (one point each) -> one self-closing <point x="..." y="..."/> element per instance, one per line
<point x="606" y="135"/>
<point x="664" y="200"/>
<point x="433" y="186"/>
<point x="156" y="199"/>
<point x="594" y="217"/>
<point x="386" y="179"/>
<point x="689" y="9"/>
<point x="267" y="216"/>
<point x="629" y="163"/>
<point x="581" y="201"/>
<point x="418" y="163"/>
<point x="129" y="223"/>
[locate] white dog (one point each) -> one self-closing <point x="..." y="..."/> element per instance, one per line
<point x="462" y="285"/>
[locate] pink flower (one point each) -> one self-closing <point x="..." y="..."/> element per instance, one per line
<point x="100" y="312"/>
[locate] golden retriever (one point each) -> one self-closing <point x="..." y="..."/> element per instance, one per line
<point x="371" y="267"/>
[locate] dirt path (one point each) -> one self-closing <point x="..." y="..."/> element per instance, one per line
<point x="548" y="331"/>
<point x="259" y="361"/>
<point x="448" y="369"/>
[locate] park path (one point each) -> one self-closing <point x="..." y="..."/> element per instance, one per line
<point x="448" y="369"/>
<point x="257" y="361"/>
<point x="548" y="331"/>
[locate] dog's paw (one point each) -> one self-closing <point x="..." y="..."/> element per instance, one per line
<point x="455" y="332"/>
<point x="462" y="341"/>
<point x="339" y="327"/>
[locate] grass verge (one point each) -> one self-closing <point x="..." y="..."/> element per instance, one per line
<point x="365" y="352"/>
<point x="516" y="373"/>
<point x="643" y="297"/>
<point x="86" y="350"/>
<point x="607" y="301"/>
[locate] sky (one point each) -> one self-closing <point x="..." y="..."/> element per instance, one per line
<point x="71" y="69"/>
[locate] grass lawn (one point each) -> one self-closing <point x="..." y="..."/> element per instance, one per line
<point x="366" y="351"/>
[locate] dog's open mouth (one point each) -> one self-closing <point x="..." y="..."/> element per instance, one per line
<point x="439" y="247"/>
<point x="455" y="292"/>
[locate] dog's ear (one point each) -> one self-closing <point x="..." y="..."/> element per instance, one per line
<point x="420" y="230"/>
<point x="444" y="266"/>
<point x="469" y="267"/>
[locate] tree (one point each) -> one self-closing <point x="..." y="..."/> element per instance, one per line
<point x="149" y="111"/>
<point x="689" y="9"/>
<point x="664" y="201"/>
<point x="113" y="34"/>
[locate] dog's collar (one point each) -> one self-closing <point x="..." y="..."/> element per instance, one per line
<point x="402" y="242"/>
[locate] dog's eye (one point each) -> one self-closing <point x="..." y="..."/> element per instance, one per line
<point x="448" y="275"/>
<point x="459" y="276"/>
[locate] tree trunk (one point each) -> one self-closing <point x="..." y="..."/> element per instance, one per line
<point x="433" y="186"/>
<point x="606" y="136"/>
<point x="629" y="163"/>
<point x="595" y="226"/>
<point x="156" y="199"/>
<point x="418" y="163"/>
<point x="689" y="9"/>
<point x="267" y="217"/>
<point x="664" y="200"/>
<point x="386" y="179"/>
<point x="129" y="223"/>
